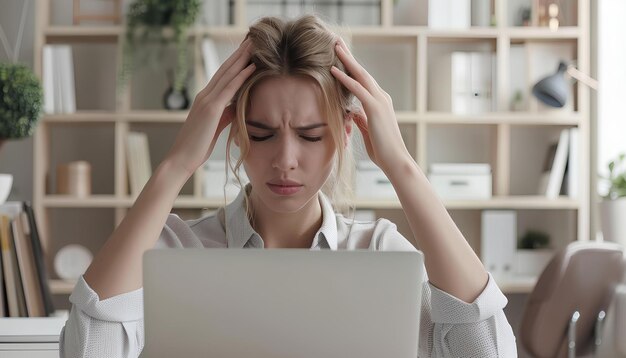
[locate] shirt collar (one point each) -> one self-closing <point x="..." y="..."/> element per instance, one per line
<point x="240" y="234"/>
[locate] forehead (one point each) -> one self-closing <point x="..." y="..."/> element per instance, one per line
<point x="286" y="98"/>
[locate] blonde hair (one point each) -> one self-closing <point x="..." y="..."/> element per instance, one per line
<point x="300" y="47"/>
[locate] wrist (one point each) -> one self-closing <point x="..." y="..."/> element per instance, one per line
<point x="169" y="173"/>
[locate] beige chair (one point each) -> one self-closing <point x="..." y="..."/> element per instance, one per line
<point x="568" y="303"/>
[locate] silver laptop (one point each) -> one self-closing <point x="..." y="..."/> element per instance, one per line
<point x="281" y="303"/>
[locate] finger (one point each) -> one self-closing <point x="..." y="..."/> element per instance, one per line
<point x="241" y="51"/>
<point x="354" y="67"/>
<point x="353" y="86"/>
<point x="240" y="64"/>
<point x="231" y="88"/>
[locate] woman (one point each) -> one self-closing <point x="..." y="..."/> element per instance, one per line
<point x="287" y="93"/>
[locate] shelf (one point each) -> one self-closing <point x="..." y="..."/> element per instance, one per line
<point x="164" y="116"/>
<point x="187" y="201"/>
<point x="520" y="284"/>
<point x="93" y="201"/>
<point x="363" y="32"/>
<point x="521" y="118"/>
<point x="61" y="287"/>
<point x="543" y="33"/>
<point x="82" y="33"/>
<point x="82" y="116"/>
<point x="511" y="202"/>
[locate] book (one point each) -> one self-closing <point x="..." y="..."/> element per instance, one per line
<point x="47" y="80"/>
<point x="58" y="80"/>
<point x="498" y="241"/>
<point x="572" y="176"/>
<point x="4" y="310"/>
<point x="210" y="58"/>
<point x="557" y="169"/>
<point x="28" y="270"/>
<point x="138" y="159"/>
<point x="10" y="276"/>
<point x="68" y="90"/>
<point x="39" y="258"/>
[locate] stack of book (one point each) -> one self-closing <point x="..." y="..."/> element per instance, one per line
<point x="58" y="79"/>
<point x="24" y="290"/>
<point x="138" y="159"/>
<point x="560" y="169"/>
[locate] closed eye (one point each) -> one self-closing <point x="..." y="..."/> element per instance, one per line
<point x="311" y="139"/>
<point x="260" y="139"/>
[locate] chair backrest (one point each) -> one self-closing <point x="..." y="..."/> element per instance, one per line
<point x="580" y="278"/>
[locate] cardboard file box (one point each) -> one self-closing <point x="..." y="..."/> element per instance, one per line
<point x="372" y="183"/>
<point x="214" y="172"/>
<point x="461" y="186"/>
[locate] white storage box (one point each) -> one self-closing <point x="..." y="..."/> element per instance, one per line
<point x="469" y="181"/>
<point x="214" y="172"/>
<point x="372" y="183"/>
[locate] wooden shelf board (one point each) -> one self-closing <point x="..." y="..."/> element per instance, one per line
<point x="543" y="33"/>
<point x="61" y="287"/>
<point x="155" y="116"/>
<point x="81" y="116"/>
<point x="93" y="201"/>
<point x="188" y="201"/>
<point x="163" y="116"/>
<point x="521" y="118"/>
<point x="361" y="32"/>
<point x="520" y="284"/>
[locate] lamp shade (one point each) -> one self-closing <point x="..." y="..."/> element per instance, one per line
<point x="552" y="90"/>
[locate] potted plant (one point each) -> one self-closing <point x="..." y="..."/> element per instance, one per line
<point x="533" y="253"/>
<point x="613" y="204"/>
<point x="157" y="24"/>
<point x="21" y="98"/>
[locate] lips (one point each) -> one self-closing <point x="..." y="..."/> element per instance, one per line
<point x="285" y="183"/>
<point x="285" y="187"/>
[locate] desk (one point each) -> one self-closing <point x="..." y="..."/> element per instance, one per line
<point x="31" y="337"/>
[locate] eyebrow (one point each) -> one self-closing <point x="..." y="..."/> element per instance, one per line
<point x="265" y="126"/>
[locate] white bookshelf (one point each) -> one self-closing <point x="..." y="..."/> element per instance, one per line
<point x="502" y="134"/>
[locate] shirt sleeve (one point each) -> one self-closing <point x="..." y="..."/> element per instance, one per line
<point x="103" y="328"/>
<point x="114" y="327"/>
<point x="450" y="327"/>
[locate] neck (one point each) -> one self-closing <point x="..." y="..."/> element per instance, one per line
<point x="287" y="230"/>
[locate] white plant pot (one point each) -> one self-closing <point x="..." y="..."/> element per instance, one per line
<point x="613" y="220"/>
<point x="6" y="182"/>
<point x="532" y="262"/>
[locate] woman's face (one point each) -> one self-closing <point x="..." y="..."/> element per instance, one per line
<point x="291" y="148"/>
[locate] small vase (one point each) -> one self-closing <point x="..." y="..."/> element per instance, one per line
<point x="6" y="182"/>
<point x="613" y="220"/>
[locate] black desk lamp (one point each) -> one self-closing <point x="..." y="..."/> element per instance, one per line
<point x="552" y="90"/>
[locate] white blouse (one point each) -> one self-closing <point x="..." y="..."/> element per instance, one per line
<point x="449" y="327"/>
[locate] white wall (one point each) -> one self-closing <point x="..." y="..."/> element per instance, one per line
<point x="611" y="72"/>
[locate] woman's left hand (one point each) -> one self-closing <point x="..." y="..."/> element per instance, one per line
<point x="378" y="125"/>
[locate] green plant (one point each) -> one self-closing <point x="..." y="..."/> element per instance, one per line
<point x="533" y="239"/>
<point x="617" y="178"/>
<point x="158" y="22"/>
<point x="21" y="98"/>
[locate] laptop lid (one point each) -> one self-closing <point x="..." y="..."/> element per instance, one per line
<point x="281" y="303"/>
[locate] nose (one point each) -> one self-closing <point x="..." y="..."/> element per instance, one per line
<point x="286" y="154"/>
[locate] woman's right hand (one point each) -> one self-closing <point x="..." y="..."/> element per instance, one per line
<point x="210" y="112"/>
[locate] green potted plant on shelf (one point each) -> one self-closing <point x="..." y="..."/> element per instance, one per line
<point x="21" y="100"/>
<point x="613" y="204"/>
<point x="533" y="253"/>
<point x="157" y="24"/>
